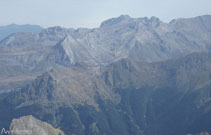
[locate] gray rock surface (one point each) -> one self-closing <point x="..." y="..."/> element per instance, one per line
<point x="24" y="56"/>
<point x="28" y="125"/>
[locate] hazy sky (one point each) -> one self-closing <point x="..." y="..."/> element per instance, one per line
<point x="90" y="13"/>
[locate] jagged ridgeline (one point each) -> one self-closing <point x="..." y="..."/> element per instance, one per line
<point x="130" y="76"/>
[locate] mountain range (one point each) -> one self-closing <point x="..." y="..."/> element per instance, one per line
<point x="130" y="76"/>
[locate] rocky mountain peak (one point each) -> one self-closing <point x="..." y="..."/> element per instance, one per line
<point x="57" y="30"/>
<point x="115" y="21"/>
<point x="154" y="20"/>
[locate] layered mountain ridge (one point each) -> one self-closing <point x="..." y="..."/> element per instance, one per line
<point x="131" y="76"/>
<point x="144" y="96"/>
<point x="140" y="39"/>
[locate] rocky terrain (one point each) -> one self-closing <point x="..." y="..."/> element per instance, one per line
<point x="171" y="97"/>
<point x="24" y="56"/>
<point x="28" y="125"/>
<point x="131" y="76"/>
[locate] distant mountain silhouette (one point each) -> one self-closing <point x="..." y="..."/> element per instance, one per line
<point x="13" y="28"/>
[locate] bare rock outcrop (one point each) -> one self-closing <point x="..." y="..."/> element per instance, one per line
<point x="28" y="125"/>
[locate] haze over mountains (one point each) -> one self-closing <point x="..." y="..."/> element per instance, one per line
<point x="131" y="76"/>
<point x="13" y="28"/>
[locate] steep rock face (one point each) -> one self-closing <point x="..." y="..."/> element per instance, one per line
<point x="69" y="52"/>
<point x="28" y="125"/>
<point x="140" y="39"/>
<point x="143" y="39"/>
<point x="76" y="85"/>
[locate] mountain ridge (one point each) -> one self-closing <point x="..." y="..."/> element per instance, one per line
<point x="141" y="39"/>
<point x="136" y="76"/>
<point x="123" y="90"/>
